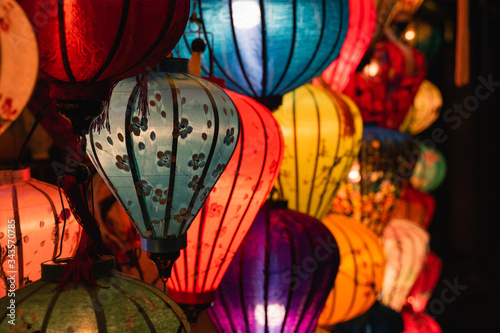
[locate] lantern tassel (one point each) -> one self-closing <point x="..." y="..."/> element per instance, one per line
<point x="142" y="82"/>
<point x="81" y="267"/>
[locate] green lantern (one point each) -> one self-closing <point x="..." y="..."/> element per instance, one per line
<point x="430" y="169"/>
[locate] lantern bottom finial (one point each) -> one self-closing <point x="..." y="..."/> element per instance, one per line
<point x="164" y="262"/>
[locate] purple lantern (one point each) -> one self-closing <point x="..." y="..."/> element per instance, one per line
<point x="280" y="277"/>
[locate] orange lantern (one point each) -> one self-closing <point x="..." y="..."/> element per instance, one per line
<point x="361" y="271"/>
<point x="416" y="206"/>
<point x="32" y="227"/>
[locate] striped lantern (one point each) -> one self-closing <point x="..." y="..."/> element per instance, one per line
<point x="231" y="207"/>
<point x="322" y="130"/>
<point x="406" y="246"/>
<point x="362" y="19"/>
<point x="32" y="227"/>
<point x="268" y="48"/>
<point x="18" y="62"/>
<point x="361" y="271"/>
<point x="430" y="169"/>
<point x="122" y="304"/>
<point x="162" y="163"/>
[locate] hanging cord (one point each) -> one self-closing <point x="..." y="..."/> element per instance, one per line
<point x="56" y="258"/>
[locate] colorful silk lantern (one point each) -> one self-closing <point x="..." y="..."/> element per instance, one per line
<point x="267" y="48"/>
<point x="123" y="304"/>
<point x="280" y="277"/>
<point x="419" y="322"/>
<point x="322" y="131"/>
<point x="424" y="110"/>
<point x="430" y="169"/>
<point x="379" y="319"/>
<point x="377" y="179"/>
<point x="384" y="90"/>
<point x="362" y="19"/>
<point x="32" y="228"/>
<point x="162" y="163"/>
<point x="415" y="206"/>
<point x="231" y="207"/>
<point x="425" y="283"/>
<point x="406" y="246"/>
<point x="361" y="271"/>
<point x="18" y="62"/>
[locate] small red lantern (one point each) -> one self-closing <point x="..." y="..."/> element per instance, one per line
<point x="416" y="206"/>
<point x="419" y="322"/>
<point x="425" y="283"/>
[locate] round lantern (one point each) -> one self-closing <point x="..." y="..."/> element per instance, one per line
<point x="162" y="163"/>
<point x="377" y="179"/>
<point x="384" y="90"/>
<point x="424" y="110"/>
<point x="362" y="19"/>
<point x="419" y="322"/>
<point x="279" y="279"/>
<point x="231" y="207"/>
<point x="425" y="283"/>
<point x="430" y="169"/>
<point x="267" y="48"/>
<point x="406" y="245"/>
<point x="18" y="62"/>
<point x="415" y="206"/>
<point x="322" y="131"/>
<point x="361" y="271"/>
<point x="32" y="227"/>
<point x="122" y="304"/>
<point x="379" y="319"/>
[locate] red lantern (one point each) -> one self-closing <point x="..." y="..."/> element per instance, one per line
<point x="416" y="206"/>
<point x="362" y="19"/>
<point x="384" y="90"/>
<point x="220" y="227"/>
<point x="419" y="322"/>
<point x="425" y="283"/>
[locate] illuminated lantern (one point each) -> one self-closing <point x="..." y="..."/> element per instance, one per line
<point x="424" y="37"/>
<point x="280" y="277"/>
<point x="322" y="132"/>
<point x="384" y="90"/>
<point x="424" y="110"/>
<point x="407" y="8"/>
<point x="361" y="271"/>
<point x="85" y="46"/>
<point x="415" y="206"/>
<point x="406" y="245"/>
<point x="379" y="319"/>
<point x="362" y="19"/>
<point x="425" y="283"/>
<point x="31" y="216"/>
<point x="267" y="48"/>
<point x="430" y="169"/>
<point x="122" y="304"/>
<point x="377" y="179"/>
<point x="18" y="62"/>
<point x="419" y="322"/>
<point x="162" y="163"/>
<point x="231" y="207"/>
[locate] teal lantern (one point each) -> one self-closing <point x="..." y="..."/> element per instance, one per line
<point x="162" y="161"/>
<point x="430" y="169"/>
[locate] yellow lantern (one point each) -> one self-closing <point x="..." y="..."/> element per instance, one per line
<point x="322" y="131"/>
<point x="361" y="271"/>
<point x="424" y="110"/>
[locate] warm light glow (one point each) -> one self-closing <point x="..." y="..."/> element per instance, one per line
<point x="410" y="35"/>
<point x="372" y="69"/>
<point x="246" y="14"/>
<point x="275" y="315"/>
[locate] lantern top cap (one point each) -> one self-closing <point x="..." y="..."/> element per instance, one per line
<point x="14" y="176"/>
<point x="53" y="271"/>
<point x="174" y="65"/>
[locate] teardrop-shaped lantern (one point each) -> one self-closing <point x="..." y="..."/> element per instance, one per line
<point x="416" y="206"/>
<point x="280" y="277"/>
<point x="122" y="304"/>
<point x="362" y="19"/>
<point x="406" y="245"/>
<point x="425" y="109"/>
<point x="162" y="163"/>
<point x="378" y="178"/>
<point x="18" y="62"/>
<point x="231" y="207"/>
<point x="267" y="48"/>
<point x="322" y="132"/>
<point x="379" y="319"/>
<point x="32" y="227"/>
<point x="425" y="283"/>
<point x="430" y="169"/>
<point x="361" y="271"/>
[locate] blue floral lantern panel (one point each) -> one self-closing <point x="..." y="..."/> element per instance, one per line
<point x="162" y="164"/>
<point x="267" y="48"/>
